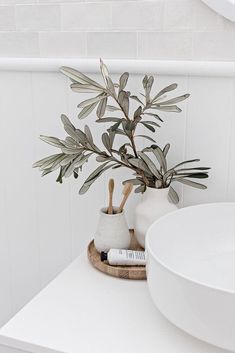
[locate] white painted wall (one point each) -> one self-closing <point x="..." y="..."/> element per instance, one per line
<point x="45" y="225"/>
<point x="148" y="29"/>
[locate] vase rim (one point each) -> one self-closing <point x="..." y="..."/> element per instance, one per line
<point x="154" y="192"/>
<point x="158" y="189"/>
<point x="103" y="211"/>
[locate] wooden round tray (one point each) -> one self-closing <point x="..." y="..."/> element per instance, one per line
<point x="128" y="272"/>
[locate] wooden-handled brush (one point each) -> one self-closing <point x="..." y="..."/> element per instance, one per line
<point x="126" y="192"/>
<point x="111" y="188"/>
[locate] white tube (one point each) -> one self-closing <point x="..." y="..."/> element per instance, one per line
<point x="124" y="257"/>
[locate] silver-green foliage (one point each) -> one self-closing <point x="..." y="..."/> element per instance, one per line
<point x="149" y="164"/>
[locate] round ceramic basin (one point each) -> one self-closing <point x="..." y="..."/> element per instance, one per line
<point x="191" y="270"/>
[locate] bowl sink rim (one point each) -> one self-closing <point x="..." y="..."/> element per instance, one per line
<point x="169" y="268"/>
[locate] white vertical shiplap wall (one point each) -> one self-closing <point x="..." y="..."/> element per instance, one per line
<point x="44" y="225"/>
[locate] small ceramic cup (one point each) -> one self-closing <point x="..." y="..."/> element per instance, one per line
<point x="112" y="231"/>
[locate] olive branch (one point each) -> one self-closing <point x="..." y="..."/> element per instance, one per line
<point x="149" y="164"/>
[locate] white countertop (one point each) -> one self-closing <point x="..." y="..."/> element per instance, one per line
<point x="85" y="311"/>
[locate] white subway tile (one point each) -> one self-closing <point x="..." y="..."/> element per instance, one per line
<point x="85" y="16"/>
<point x="14" y="2"/>
<point x="128" y="15"/>
<point x="58" y="1"/>
<point x="16" y="44"/>
<point x="62" y="44"/>
<point x="214" y="46"/>
<point x="112" y="0"/>
<point x="37" y="17"/>
<point x="178" y="15"/>
<point x="112" y="45"/>
<point x="205" y="19"/>
<point x="165" y="45"/>
<point x="7" y="18"/>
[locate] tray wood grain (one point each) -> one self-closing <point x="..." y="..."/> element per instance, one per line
<point x="127" y="272"/>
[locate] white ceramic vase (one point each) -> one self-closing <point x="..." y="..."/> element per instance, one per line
<point x="154" y="205"/>
<point x="112" y="231"/>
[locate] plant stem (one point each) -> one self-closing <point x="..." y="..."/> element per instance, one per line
<point x="132" y="137"/>
<point x="133" y="145"/>
<point x="112" y="158"/>
<point x="116" y="100"/>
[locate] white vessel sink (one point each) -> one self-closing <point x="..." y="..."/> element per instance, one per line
<point x="191" y="270"/>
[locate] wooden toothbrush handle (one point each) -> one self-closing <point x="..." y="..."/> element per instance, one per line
<point x="120" y="208"/>
<point x="110" y="208"/>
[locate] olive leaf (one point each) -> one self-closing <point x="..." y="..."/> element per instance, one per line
<point x="88" y="135"/>
<point x="89" y="101"/>
<point x="175" y="100"/>
<point x="148" y="88"/>
<point x="65" y="120"/>
<point x="46" y="171"/>
<point x="57" y="162"/>
<point x="167" y="108"/>
<point x="79" y="77"/>
<point x="166" y="149"/>
<point x="53" y="164"/>
<point x="101" y="108"/>
<point x="70" y="142"/>
<point x="140" y="164"/>
<point x="80" y="88"/>
<point x="185" y="162"/>
<point x="115" y="126"/>
<point x="189" y="169"/>
<point x="165" y="90"/>
<point x="106" y="141"/>
<point x="146" y="137"/>
<point x="108" y="120"/>
<point x="44" y="160"/>
<point x="87" y="110"/>
<point x="133" y="181"/>
<point x="145" y="81"/>
<point x="149" y="127"/>
<point x="137" y="99"/>
<point x="160" y="157"/>
<point x="123" y="148"/>
<point x="173" y="196"/>
<point x="102" y="158"/>
<point x="54" y="141"/>
<point x="93" y="176"/>
<point x="154" y="116"/>
<point x="192" y="183"/>
<point x="67" y="150"/>
<point x="110" y="86"/>
<point x="151" y="123"/>
<point x="111" y="138"/>
<point x="150" y="164"/>
<point x="68" y="159"/>
<point x="71" y="131"/>
<point x="104" y="71"/>
<point x="138" y="112"/>
<point x="77" y="163"/>
<point x="199" y="175"/>
<point x="124" y="101"/>
<point x="123" y="80"/>
<point x="111" y="108"/>
<point x="119" y="131"/>
<point x="140" y="188"/>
